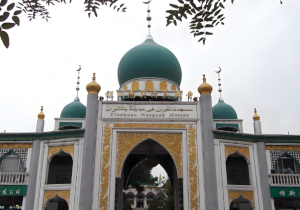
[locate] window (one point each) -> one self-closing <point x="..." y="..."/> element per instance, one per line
<point x="286" y="165"/>
<point x="237" y="170"/>
<point x="11" y="163"/>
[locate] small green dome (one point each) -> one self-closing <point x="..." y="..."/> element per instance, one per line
<point x="223" y="111"/>
<point x="149" y="60"/>
<point x="73" y="110"/>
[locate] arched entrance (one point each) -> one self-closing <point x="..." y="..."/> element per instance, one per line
<point x="151" y="153"/>
<point x="241" y="203"/>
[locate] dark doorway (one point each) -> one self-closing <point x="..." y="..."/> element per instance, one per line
<point x="237" y="170"/>
<point x="11" y="202"/>
<point x="57" y="204"/>
<point x="60" y="169"/>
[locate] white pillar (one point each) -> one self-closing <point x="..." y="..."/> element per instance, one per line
<point x="134" y="203"/>
<point x="256" y="123"/>
<point x="40" y="121"/>
<point x="145" y="202"/>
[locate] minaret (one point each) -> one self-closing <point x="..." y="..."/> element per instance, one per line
<point x="209" y="162"/>
<point x="256" y="123"/>
<point x="40" y="121"/>
<point x="88" y="156"/>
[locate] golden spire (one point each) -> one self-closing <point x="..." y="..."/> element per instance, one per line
<point x="256" y="117"/>
<point x="41" y="115"/>
<point x="205" y="88"/>
<point x="93" y="87"/>
<point x="160" y="177"/>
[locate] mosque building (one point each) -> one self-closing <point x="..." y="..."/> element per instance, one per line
<point x="85" y="162"/>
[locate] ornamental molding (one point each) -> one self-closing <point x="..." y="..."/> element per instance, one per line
<point x="282" y="147"/>
<point x="49" y="194"/>
<point x="66" y="148"/>
<point x="15" y="146"/>
<point x="242" y="150"/>
<point x="105" y="169"/>
<point x="147" y="125"/>
<point x="170" y="141"/>
<point x="236" y="194"/>
<point x="194" y="199"/>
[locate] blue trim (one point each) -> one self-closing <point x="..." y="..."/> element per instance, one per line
<point x="285" y="153"/>
<point x="14" y="153"/>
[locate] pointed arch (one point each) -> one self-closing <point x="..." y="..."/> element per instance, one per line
<point x="170" y="141"/>
<point x="69" y="149"/>
<point x="16" y="154"/>
<point x="243" y="151"/>
<point x="248" y="195"/>
<point x="52" y="194"/>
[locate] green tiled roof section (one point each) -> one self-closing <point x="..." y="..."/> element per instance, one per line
<point x="77" y="133"/>
<point x="256" y="138"/>
<point x="70" y="123"/>
<point x="219" y="125"/>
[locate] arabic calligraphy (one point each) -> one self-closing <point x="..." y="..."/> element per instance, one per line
<point x="158" y="109"/>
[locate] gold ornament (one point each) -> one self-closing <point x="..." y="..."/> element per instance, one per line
<point x="147" y="125"/>
<point x="15" y="146"/>
<point x="93" y="87"/>
<point x="205" y="88"/>
<point x="171" y="141"/>
<point x="163" y="86"/>
<point x="125" y="87"/>
<point x="282" y="147"/>
<point x="105" y="169"/>
<point x="65" y="194"/>
<point x="242" y="150"/>
<point x="154" y="94"/>
<point x="131" y="94"/>
<point x="149" y="85"/>
<point x="236" y="194"/>
<point x="190" y="95"/>
<point x="178" y="94"/>
<point x="143" y="95"/>
<point x="166" y="96"/>
<point x="41" y="115"/>
<point x="135" y="85"/>
<point x="256" y="117"/>
<point x="173" y="87"/>
<point x="194" y="199"/>
<point x="66" y="148"/>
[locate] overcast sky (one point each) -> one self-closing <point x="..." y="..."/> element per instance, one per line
<point x="257" y="49"/>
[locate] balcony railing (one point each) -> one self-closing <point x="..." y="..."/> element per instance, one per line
<point x="285" y="179"/>
<point x="13" y="178"/>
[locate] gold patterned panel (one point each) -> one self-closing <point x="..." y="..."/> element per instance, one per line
<point x="243" y="150"/>
<point x="236" y="194"/>
<point x="194" y="199"/>
<point x="14" y="146"/>
<point x="171" y="141"/>
<point x="65" y="194"/>
<point x="105" y="168"/>
<point x="163" y="86"/>
<point x="149" y="85"/>
<point x="135" y="85"/>
<point x="147" y="125"/>
<point x="173" y="87"/>
<point x="282" y="147"/>
<point x="125" y="87"/>
<point x="66" y="148"/>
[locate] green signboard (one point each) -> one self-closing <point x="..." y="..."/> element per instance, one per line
<point x="285" y="192"/>
<point x="13" y="190"/>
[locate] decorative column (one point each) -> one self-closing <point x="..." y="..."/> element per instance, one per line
<point x="256" y="123"/>
<point x="145" y="202"/>
<point x="34" y="163"/>
<point x="134" y="202"/>
<point x="88" y="156"/>
<point x="209" y="162"/>
<point x="262" y="164"/>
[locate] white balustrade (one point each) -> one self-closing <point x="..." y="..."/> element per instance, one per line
<point x="285" y="179"/>
<point x="13" y="178"/>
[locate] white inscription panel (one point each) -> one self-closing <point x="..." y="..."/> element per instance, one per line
<point x="148" y="111"/>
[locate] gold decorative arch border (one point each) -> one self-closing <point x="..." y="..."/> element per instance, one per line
<point x="193" y="177"/>
<point x="283" y="147"/>
<point x="16" y="146"/>
<point x="232" y="149"/>
<point x="65" y="194"/>
<point x="105" y="168"/>
<point x="66" y="148"/>
<point x="171" y="141"/>
<point x="236" y="194"/>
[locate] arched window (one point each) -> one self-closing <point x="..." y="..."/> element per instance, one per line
<point x="150" y="197"/>
<point x="60" y="169"/>
<point x="286" y="164"/>
<point x="241" y="203"/>
<point x="11" y="162"/>
<point x="237" y="170"/>
<point x="57" y="204"/>
<point x="130" y="198"/>
<point x="140" y="200"/>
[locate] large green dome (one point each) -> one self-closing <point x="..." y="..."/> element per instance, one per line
<point x="223" y="111"/>
<point x="73" y="110"/>
<point x="149" y="60"/>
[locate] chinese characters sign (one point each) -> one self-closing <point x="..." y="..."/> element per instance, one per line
<point x="13" y="190"/>
<point x="285" y="192"/>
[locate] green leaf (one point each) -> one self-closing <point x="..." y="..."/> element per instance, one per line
<point x="221" y="5"/>
<point x="173" y="5"/>
<point x="17" y="12"/>
<point x="232" y="1"/>
<point x="220" y="16"/>
<point x="204" y="41"/>
<point x="169" y="22"/>
<point x="4" y="16"/>
<point x="4" y="38"/>
<point x="201" y="39"/>
<point x="222" y="23"/>
<point x="3" y="2"/>
<point x="16" y="20"/>
<point x="180" y="1"/>
<point x="10" y="7"/>
<point x="217" y="12"/>
<point x="8" y="25"/>
<point x="175" y="23"/>
<point x="209" y="26"/>
<point x="208" y="33"/>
